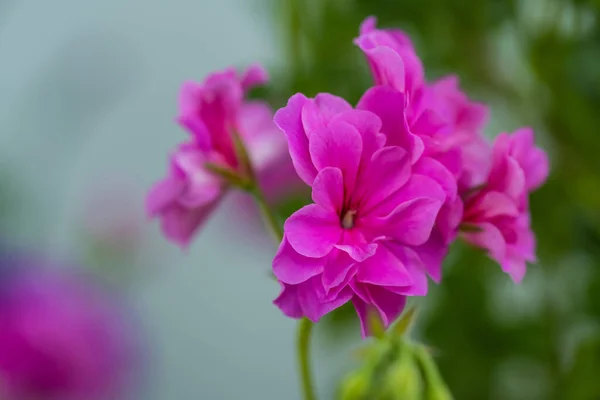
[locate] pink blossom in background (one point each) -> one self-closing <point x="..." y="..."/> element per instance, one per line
<point x="374" y="208"/>
<point x="211" y="111"/>
<point x="62" y="337"/>
<point x="498" y="214"/>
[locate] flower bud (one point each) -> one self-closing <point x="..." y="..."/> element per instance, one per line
<point x="355" y="385"/>
<point x="404" y="380"/>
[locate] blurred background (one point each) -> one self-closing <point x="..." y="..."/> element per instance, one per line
<point x="87" y="103"/>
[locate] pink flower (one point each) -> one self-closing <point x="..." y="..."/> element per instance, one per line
<point x="211" y="112"/>
<point x="373" y="209"/>
<point x="498" y="215"/>
<point x="62" y="337"/>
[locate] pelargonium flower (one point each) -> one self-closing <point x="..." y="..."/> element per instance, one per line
<point x="497" y="215"/>
<point x="62" y="337"/>
<point x="373" y="209"/>
<point x="212" y="112"/>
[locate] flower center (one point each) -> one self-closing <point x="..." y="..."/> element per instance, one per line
<point x="348" y="219"/>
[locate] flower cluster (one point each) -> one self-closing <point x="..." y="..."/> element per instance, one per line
<point x="395" y="180"/>
<point x="213" y="113"/>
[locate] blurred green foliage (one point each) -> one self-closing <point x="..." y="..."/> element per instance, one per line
<point x="537" y="62"/>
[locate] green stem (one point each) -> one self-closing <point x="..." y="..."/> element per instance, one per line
<point x="269" y="216"/>
<point x="303" y="342"/>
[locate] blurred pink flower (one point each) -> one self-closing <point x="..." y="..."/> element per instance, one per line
<point x="498" y="214"/>
<point x="211" y="112"/>
<point x="61" y="336"/>
<point x="372" y="211"/>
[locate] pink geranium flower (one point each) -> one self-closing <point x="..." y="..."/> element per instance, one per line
<point x="373" y="209"/>
<point x="211" y="112"/>
<point x="497" y="216"/>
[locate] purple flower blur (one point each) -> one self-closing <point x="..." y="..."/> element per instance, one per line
<point x="62" y="337"/>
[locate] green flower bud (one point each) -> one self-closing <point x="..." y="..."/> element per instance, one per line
<point x="355" y="385"/>
<point x="404" y="380"/>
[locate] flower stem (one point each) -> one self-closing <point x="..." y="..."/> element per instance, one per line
<point x="269" y="216"/>
<point x="303" y="342"/>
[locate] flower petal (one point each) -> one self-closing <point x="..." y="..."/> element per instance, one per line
<point x="331" y="105"/>
<point x="389" y="304"/>
<point x="515" y="267"/>
<point x="288" y="302"/>
<point x="293" y="268"/>
<point x="490" y="238"/>
<point x="310" y="294"/>
<point x="255" y="75"/>
<point x="489" y="205"/>
<point x="432" y="254"/>
<point x="432" y="168"/>
<point x="389" y="105"/>
<point x="387" y="172"/>
<point x="180" y="224"/>
<point x="313" y="231"/>
<point x="339" y="145"/>
<point x="386" y="64"/>
<point x="416" y="186"/>
<point x="337" y="271"/>
<point x="189" y="117"/>
<point x="289" y="120"/>
<point x="163" y="194"/>
<point x="201" y="185"/>
<point x="532" y="160"/>
<point x="415" y="267"/>
<point x="328" y="189"/>
<point x="384" y="268"/>
<point x="355" y="245"/>
<point x="362" y="308"/>
<point x="368" y="125"/>
<point x="411" y="222"/>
